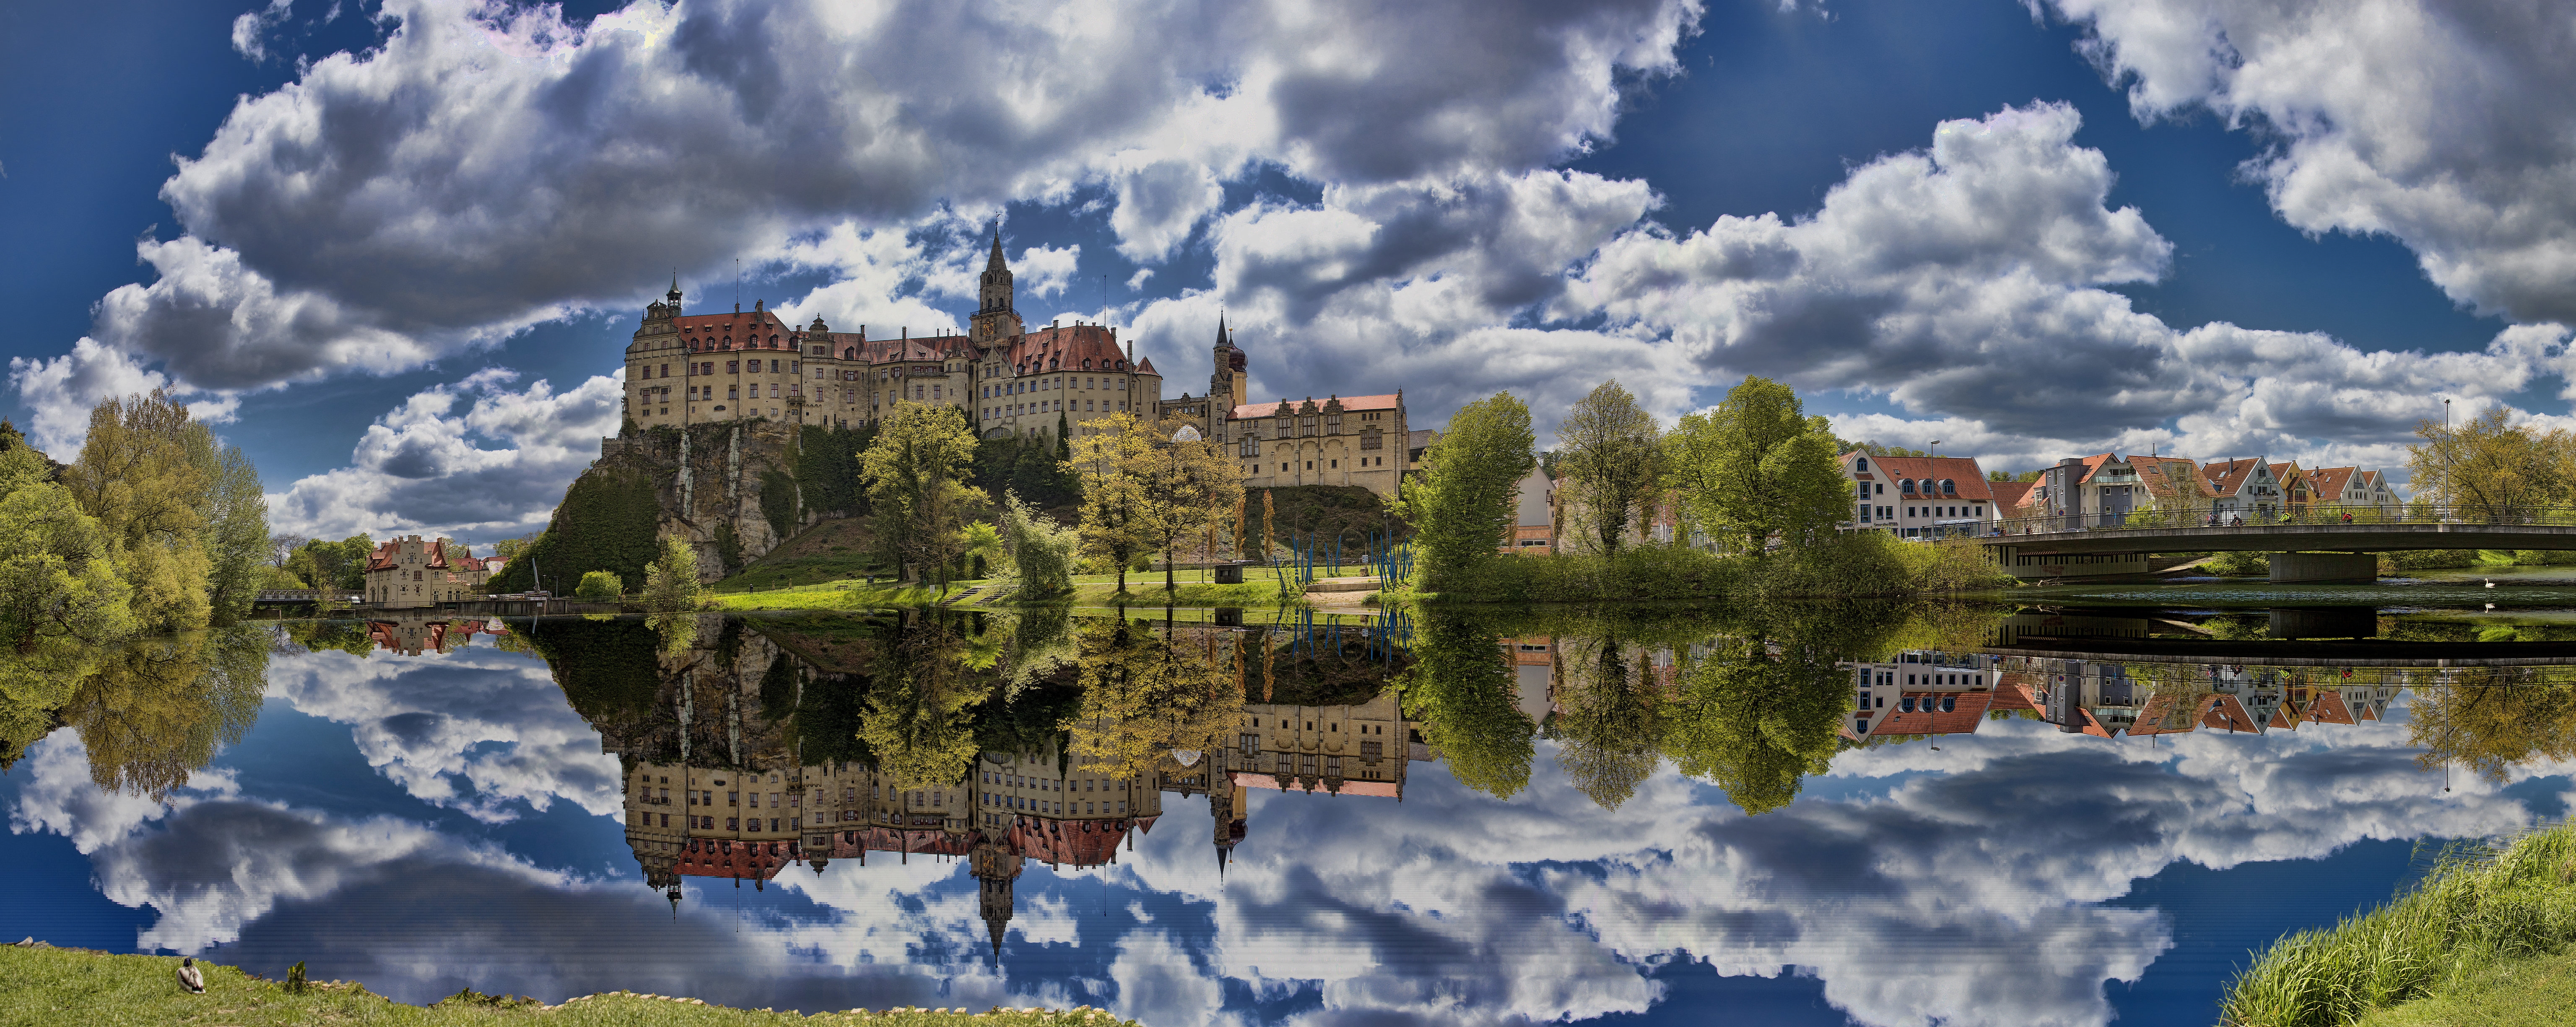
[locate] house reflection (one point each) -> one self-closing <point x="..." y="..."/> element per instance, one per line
<point x="414" y="632"/>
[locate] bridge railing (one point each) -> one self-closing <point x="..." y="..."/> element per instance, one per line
<point x="2416" y="513"/>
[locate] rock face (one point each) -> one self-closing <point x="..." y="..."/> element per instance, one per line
<point x="707" y="479"/>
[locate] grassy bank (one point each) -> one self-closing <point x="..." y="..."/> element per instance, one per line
<point x="56" y="986"/>
<point x="835" y="595"/>
<point x="1856" y="565"/>
<point x="2468" y="935"/>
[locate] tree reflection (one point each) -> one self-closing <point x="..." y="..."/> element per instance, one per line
<point x="151" y="711"/>
<point x="2489" y="725"/>
<point x="1612" y="719"/>
<point x="1146" y="695"/>
<point x="1464" y="699"/>
<point x="921" y="704"/>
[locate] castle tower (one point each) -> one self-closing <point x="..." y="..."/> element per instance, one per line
<point x="1226" y="387"/>
<point x="994" y="319"/>
<point x="1225" y="807"/>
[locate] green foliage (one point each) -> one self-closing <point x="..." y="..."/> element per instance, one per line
<point x="236" y="532"/>
<point x="827" y="467"/>
<point x="1613" y="467"/>
<point x="1025" y="465"/>
<point x="336" y="565"/>
<point x="2478" y="908"/>
<point x="913" y="470"/>
<point x="599" y="587"/>
<point x="1846" y="565"/>
<point x="671" y="580"/>
<point x="1756" y="467"/>
<point x="728" y="545"/>
<point x="2239" y="565"/>
<point x="1461" y="506"/>
<point x="1037" y="551"/>
<point x="58" y="576"/>
<point x="1756" y="725"/>
<point x="606" y="523"/>
<point x="778" y="503"/>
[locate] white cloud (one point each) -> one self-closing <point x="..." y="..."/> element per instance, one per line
<point x="2421" y="119"/>
<point x="1968" y="285"/>
<point x="487" y="167"/>
<point x="252" y="26"/>
<point x="423" y="467"/>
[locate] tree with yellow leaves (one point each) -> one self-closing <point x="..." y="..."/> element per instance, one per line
<point x="2490" y="469"/>
<point x="1114" y="464"/>
<point x="915" y="472"/>
<point x="1189" y="482"/>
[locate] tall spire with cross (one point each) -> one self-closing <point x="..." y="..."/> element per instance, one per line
<point x="994" y="319"/>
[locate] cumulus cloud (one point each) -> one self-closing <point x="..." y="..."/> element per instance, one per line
<point x="251" y="29"/>
<point x="424" y="466"/>
<point x="1969" y="283"/>
<point x="488" y="167"/>
<point x="2420" y="119"/>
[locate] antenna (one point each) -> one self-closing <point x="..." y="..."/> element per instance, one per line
<point x="737" y="285"/>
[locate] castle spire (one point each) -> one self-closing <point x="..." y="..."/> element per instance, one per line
<point x="994" y="262"/>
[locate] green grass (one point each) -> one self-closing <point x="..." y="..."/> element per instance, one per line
<point x="838" y="595"/>
<point x="1265" y="593"/>
<point x="47" y="986"/>
<point x="2469" y="924"/>
<point x="803" y="570"/>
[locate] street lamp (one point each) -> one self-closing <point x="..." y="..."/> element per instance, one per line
<point x="2447" y="445"/>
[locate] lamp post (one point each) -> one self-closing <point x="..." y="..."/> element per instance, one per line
<point x="2447" y="444"/>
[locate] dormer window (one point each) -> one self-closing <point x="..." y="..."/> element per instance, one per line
<point x="1860" y="464"/>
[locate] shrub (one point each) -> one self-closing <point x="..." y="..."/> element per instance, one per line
<point x="599" y="587"/>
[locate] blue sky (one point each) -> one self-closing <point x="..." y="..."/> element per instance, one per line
<point x="401" y="244"/>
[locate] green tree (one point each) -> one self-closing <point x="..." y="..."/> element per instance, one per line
<point x="1612" y="464"/>
<point x="671" y="580"/>
<point x="1189" y="482"/>
<point x="156" y="709"/>
<point x="1756" y="467"/>
<point x="599" y="587"/>
<point x="1461" y="505"/>
<point x="58" y="576"/>
<point x="914" y="471"/>
<point x="135" y="473"/>
<point x="2489" y="468"/>
<point x="236" y="536"/>
<point x="1115" y="466"/>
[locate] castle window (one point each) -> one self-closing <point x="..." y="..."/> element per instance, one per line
<point x="733" y="367"/>
<point x="1373" y="439"/>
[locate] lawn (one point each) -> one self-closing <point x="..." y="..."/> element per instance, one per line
<point x="2524" y="993"/>
<point x="47" y="986"/>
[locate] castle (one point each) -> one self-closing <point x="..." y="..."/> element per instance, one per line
<point x="687" y="369"/>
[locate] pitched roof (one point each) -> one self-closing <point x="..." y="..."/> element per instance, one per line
<point x="1374" y="789"/>
<point x="382" y="558"/>
<point x="1083" y="347"/>
<point x="747" y="860"/>
<point x="1962" y="470"/>
<point x="2011" y="495"/>
<point x="2331" y="481"/>
<point x="2226" y="477"/>
<point x="759" y="329"/>
<point x="1970" y="710"/>
<point x="1250" y="411"/>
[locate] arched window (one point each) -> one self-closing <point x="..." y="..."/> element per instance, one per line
<point x="1949" y="487"/>
<point x="1906" y="486"/>
<point x="1905" y="705"/>
<point x="1927" y="486"/>
<point x="1949" y="703"/>
<point x="693" y="345"/>
<point x="1860" y="464"/>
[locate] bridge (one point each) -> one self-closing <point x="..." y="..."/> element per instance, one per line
<point x="2317" y="545"/>
<point x="290" y="597"/>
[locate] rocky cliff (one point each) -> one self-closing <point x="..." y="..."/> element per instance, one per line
<point x="728" y="488"/>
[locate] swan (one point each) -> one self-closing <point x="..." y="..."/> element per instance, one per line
<point x="2490" y="582"/>
<point x="190" y="977"/>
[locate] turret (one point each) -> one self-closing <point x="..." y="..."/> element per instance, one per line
<point x="994" y="319"/>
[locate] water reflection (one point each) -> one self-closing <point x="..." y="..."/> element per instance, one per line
<point x="1907" y="813"/>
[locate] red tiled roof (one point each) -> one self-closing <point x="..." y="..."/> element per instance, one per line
<point x="1963" y="470"/>
<point x="1969" y="712"/>
<point x="744" y="860"/>
<point x="1081" y="843"/>
<point x="2011" y="495"/>
<point x="1068" y="348"/>
<point x="2330" y="708"/>
<point x="383" y="558"/>
<point x="1250" y="411"/>
<point x="759" y="329"/>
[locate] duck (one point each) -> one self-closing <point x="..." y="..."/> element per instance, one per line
<point x="190" y="977"/>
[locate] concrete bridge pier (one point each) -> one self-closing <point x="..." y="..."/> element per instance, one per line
<point x="2325" y="568"/>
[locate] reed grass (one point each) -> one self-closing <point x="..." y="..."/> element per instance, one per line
<point x="2479" y="907"/>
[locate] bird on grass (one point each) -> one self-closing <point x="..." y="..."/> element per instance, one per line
<point x="190" y="977"/>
